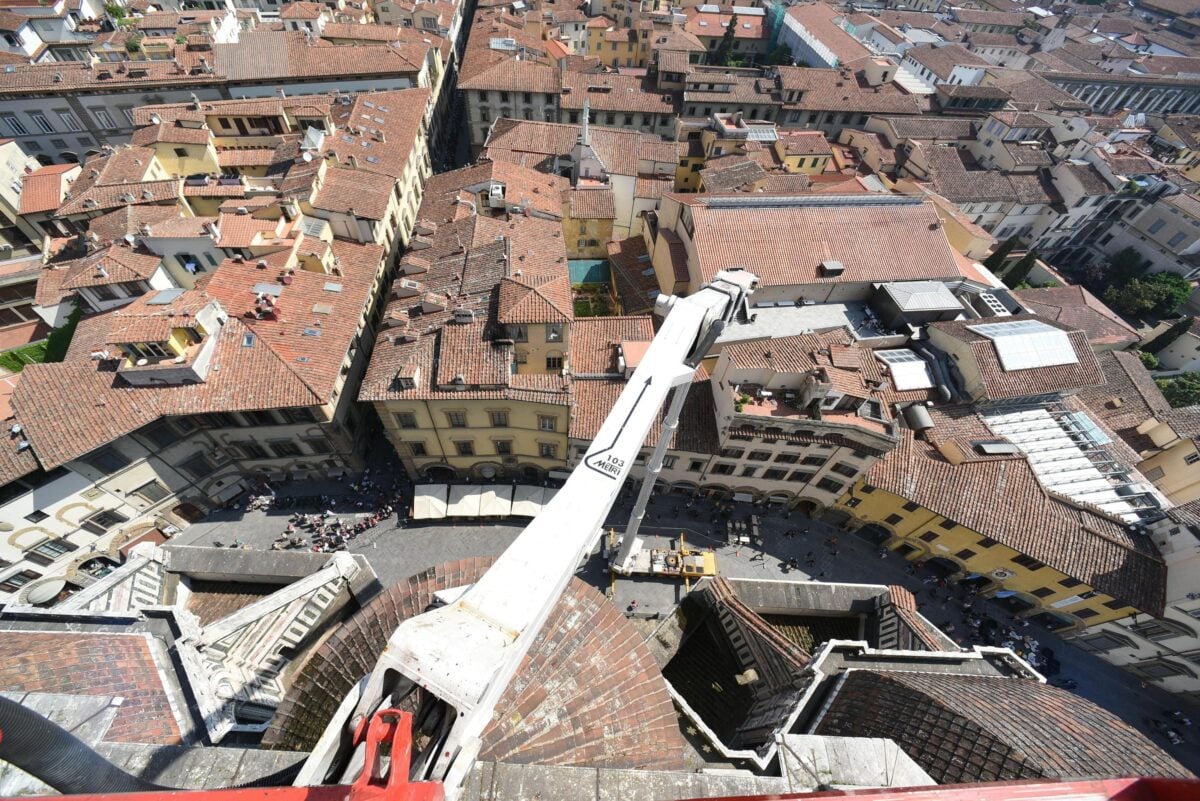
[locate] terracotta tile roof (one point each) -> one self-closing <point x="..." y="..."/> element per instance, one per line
<point x="302" y="11"/>
<point x="972" y="16"/>
<point x="591" y="203"/>
<point x="524" y="301"/>
<point x="999" y="383"/>
<point x="284" y="366"/>
<point x="1128" y="398"/>
<point x="589" y="692"/>
<point x="170" y="134"/>
<point x="116" y="264"/>
<point x="259" y="157"/>
<point x="536" y="144"/>
<point x="469" y="356"/>
<point x="445" y="200"/>
<point x="653" y="187"/>
<point x="396" y="114"/>
<point x="714" y="23"/>
<point x="1001" y="497"/>
<point x="629" y="262"/>
<point x="941" y="61"/>
<point x="927" y="128"/>
<point x="264" y="55"/>
<point x="819" y="20"/>
<point x="615" y="92"/>
<point x="697" y="433"/>
<point x="824" y="90"/>
<point x="1079" y="309"/>
<point x="356" y="192"/>
<point x="596" y="340"/>
<point x="962" y="728"/>
<point x="42" y="190"/>
<point x="874" y="243"/>
<point x="109" y="665"/>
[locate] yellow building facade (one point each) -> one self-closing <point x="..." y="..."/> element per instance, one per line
<point x="920" y="534"/>
<point x="481" y="438"/>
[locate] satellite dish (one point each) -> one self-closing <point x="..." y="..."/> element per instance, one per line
<point x="45" y="592"/>
<point x="307" y="157"/>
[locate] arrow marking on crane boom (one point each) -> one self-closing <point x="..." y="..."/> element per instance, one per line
<point x="610" y="466"/>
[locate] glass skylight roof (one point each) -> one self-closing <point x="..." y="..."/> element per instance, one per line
<point x="908" y="370"/>
<point x="1025" y="344"/>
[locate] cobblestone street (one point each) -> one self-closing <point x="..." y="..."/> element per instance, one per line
<point x="397" y="550"/>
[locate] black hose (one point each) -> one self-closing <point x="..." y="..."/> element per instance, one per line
<point x="54" y="756"/>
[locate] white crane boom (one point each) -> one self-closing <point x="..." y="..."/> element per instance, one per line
<point x="466" y="652"/>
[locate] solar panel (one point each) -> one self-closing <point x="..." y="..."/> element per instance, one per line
<point x="1026" y="344"/>
<point x="908" y="370"/>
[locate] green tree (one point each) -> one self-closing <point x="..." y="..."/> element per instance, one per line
<point x="996" y="259"/>
<point x="1124" y="267"/>
<point x="1170" y="335"/>
<point x="1160" y="294"/>
<point x="1020" y="271"/>
<point x="1183" y="390"/>
<point x="1149" y="360"/>
<point x="724" y="52"/>
<point x="780" y="55"/>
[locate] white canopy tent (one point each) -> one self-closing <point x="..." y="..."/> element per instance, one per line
<point x="429" y="501"/>
<point x="464" y="501"/>
<point x="496" y="501"/>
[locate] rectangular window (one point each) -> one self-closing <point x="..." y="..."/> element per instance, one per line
<point x="722" y="469"/>
<point x="15" y="125"/>
<point x="52" y="549"/>
<point x="198" y="466"/>
<point x="748" y="472"/>
<point x="152" y="492"/>
<point x="813" y="461"/>
<point x="947" y="524"/>
<point x="986" y="542"/>
<point x="104" y="119"/>
<point x="695" y="466"/>
<point x="1176" y="240"/>
<point x="844" y="470"/>
<point x="417" y="449"/>
<point x="965" y="554"/>
<point x="42" y="123"/>
<point x="774" y="474"/>
<point x="1192" y="458"/>
<point x="70" y="121"/>
<point x="1157" y="225"/>
<point x="503" y="447"/>
<point x="248" y="449"/>
<point x="456" y="419"/>
<point x="547" y="450"/>
<point x="759" y="456"/>
<point x="405" y="419"/>
<point x="161" y="433"/>
<point x="893" y="519"/>
<point x="800" y="476"/>
<point x="18" y="580"/>
<point x="1041" y="592"/>
<point x="829" y="485"/>
<point x="786" y="458"/>
<point x="499" y="419"/>
<point x="465" y="448"/>
<point x="911" y="507"/>
<point x="284" y="448"/>
<point x="101" y="522"/>
<point x="1027" y="562"/>
<point x="36" y="516"/>
<point x="547" y="422"/>
<point x="107" y="460"/>
<point x="929" y="536"/>
<point x="1084" y="614"/>
<point x="318" y="445"/>
<point x="554" y="363"/>
<point x="1069" y="582"/>
<point x="733" y="453"/>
